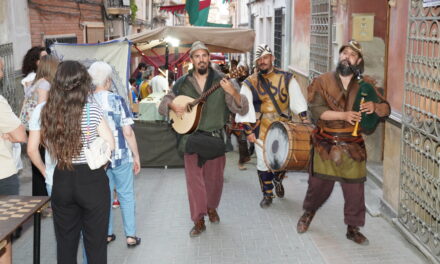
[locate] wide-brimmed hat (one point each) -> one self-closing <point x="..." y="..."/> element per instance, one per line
<point x="262" y="49"/>
<point x="354" y="45"/>
<point x="198" y="45"/>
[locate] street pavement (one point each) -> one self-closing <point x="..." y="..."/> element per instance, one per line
<point x="246" y="233"/>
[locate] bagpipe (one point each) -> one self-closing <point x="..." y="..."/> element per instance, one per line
<point x="366" y="93"/>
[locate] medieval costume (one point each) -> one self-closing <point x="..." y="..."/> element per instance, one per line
<point x="203" y="151"/>
<point x="337" y="154"/>
<point x="287" y="95"/>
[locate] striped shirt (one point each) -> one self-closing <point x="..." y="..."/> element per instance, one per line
<point x="96" y="116"/>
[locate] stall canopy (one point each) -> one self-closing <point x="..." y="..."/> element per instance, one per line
<point x="226" y="40"/>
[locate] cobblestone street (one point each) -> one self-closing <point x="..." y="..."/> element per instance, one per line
<point x="246" y="233"/>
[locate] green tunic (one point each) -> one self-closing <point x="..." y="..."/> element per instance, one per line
<point x="215" y="110"/>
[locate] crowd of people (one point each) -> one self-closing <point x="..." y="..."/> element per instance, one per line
<point x="67" y="106"/>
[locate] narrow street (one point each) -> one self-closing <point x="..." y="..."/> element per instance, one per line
<point x="246" y="233"/>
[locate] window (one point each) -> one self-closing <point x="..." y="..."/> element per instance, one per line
<point x="278" y="37"/>
<point x="49" y="40"/>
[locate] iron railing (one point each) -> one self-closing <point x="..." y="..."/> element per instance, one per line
<point x="7" y="84"/>
<point x="419" y="204"/>
<point x="320" y="38"/>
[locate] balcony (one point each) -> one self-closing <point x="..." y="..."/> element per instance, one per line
<point x="117" y="7"/>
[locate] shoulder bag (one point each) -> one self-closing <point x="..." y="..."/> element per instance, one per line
<point x="98" y="152"/>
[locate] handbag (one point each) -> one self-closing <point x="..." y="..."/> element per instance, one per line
<point x="98" y="152"/>
<point x="28" y="107"/>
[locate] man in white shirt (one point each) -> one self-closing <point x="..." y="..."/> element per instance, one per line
<point x="159" y="83"/>
<point x="285" y="97"/>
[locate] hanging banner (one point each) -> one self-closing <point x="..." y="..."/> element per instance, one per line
<point x="429" y="3"/>
<point x="116" y="53"/>
<point x="181" y="8"/>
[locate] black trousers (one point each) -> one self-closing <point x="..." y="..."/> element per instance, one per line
<point x="38" y="181"/>
<point x="243" y="150"/>
<point x="80" y="202"/>
<point x="10" y="185"/>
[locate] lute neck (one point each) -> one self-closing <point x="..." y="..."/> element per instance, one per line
<point x="207" y="93"/>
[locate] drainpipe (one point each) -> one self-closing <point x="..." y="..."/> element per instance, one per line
<point x="288" y="42"/>
<point x="150" y="13"/>
<point x="249" y="5"/>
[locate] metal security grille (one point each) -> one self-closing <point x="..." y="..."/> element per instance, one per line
<point x="419" y="205"/>
<point x="278" y="36"/>
<point x="7" y="84"/>
<point x="320" y="38"/>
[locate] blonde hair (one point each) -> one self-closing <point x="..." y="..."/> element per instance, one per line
<point x="47" y="68"/>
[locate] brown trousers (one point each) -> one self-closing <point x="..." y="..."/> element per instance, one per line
<point x="204" y="185"/>
<point x="354" y="208"/>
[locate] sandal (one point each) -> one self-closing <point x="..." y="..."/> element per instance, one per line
<point x="137" y="241"/>
<point x="111" y="238"/>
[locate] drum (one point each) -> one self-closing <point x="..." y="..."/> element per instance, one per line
<point x="287" y="146"/>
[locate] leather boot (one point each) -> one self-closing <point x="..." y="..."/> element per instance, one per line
<point x="356" y="236"/>
<point x="266" y="202"/>
<point x="198" y="228"/>
<point x="213" y="216"/>
<point x="304" y="222"/>
<point x="278" y="182"/>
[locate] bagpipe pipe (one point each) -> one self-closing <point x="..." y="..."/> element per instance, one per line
<point x="366" y="93"/>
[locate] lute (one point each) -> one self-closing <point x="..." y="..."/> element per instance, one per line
<point x="190" y="119"/>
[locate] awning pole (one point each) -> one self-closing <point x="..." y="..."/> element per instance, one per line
<point x="145" y="57"/>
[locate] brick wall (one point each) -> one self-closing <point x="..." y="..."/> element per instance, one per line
<point x="62" y="17"/>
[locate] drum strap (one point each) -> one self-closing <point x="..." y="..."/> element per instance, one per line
<point x="274" y="102"/>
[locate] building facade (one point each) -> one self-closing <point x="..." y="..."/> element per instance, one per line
<point x="67" y="22"/>
<point x="15" y="40"/>
<point x="271" y="22"/>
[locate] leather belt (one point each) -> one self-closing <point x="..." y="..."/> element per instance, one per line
<point x="338" y="130"/>
<point x="339" y="137"/>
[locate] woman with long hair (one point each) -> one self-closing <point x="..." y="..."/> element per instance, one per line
<point x="29" y="68"/>
<point x="45" y="73"/>
<point x="80" y="196"/>
<point x="43" y="81"/>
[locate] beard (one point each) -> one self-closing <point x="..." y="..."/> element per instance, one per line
<point x="345" y="69"/>
<point x="265" y="71"/>
<point x="202" y="71"/>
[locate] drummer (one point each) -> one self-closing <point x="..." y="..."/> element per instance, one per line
<point x="285" y="96"/>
